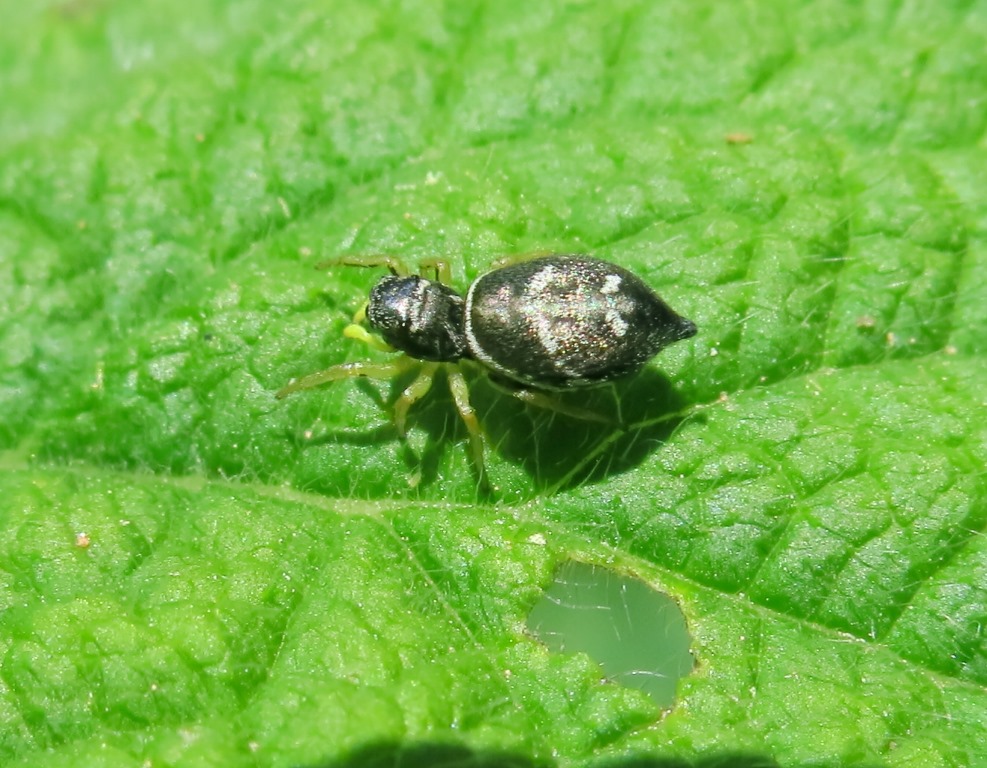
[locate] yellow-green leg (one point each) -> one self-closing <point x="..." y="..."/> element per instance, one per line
<point x="348" y="371"/>
<point x="550" y="402"/>
<point x="414" y="392"/>
<point x="441" y="268"/>
<point x="519" y="258"/>
<point x="460" y="395"/>
<point x="394" y="265"/>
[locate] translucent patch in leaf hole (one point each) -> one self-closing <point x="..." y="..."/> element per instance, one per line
<point x="637" y="635"/>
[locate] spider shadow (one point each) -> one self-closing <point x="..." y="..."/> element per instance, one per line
<point x="449" y="754"/>
<point x="560" y="451"/>
<point x="434" y="414"/>
<point x="556" y="450"/>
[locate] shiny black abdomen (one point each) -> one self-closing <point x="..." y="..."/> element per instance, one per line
<point x="559" y="322"/>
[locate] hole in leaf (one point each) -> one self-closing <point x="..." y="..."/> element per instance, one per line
<point x="636" y="634"/>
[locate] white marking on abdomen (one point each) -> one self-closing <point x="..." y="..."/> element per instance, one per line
<point x="540" y="281"/>
<point x="543" y="329"/>
<point x="611" y="284"/>
<point x="617" y="322"/>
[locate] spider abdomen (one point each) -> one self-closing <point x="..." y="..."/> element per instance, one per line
<point x="559" y="322"/>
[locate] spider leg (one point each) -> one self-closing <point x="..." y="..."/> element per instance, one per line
<point x="518" y="258"/>
<point x="394" y="265"/>
<point x="547" y="402"/>
<point x="441" y="268"/>
<point x="460" y="395"/>
<point x="347" y="371"/>
<point x="414" y="392"/>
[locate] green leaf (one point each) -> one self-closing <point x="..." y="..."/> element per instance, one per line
<point x="195" y="573"/>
